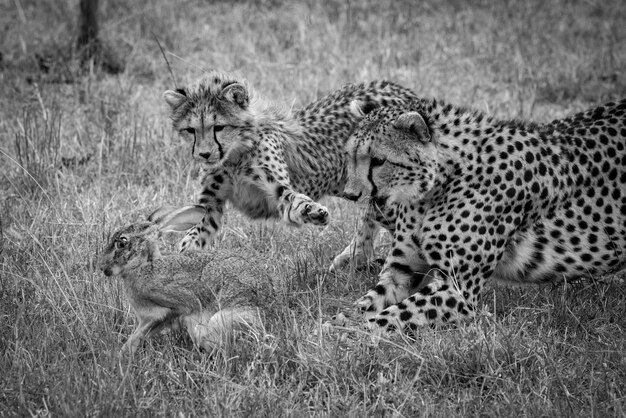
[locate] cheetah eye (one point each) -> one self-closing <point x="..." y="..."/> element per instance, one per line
<point x="376" y="161"/>
<point x="218" y="128"/>
<point x="190" y="130"/>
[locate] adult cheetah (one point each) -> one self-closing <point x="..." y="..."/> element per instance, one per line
<point x="484" y="198"/>
<point x="269" y="162"/>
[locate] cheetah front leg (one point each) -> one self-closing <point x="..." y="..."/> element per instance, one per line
<point x="403" y="273"/>
<point x="437" y="303"/>
<point x="216" y="185"/>
<point x="360" y="252"/>
<point x="294" y="208"/>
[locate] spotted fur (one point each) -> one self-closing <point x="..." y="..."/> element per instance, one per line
<point x="269" y="162"/>
<point x="484" y="199"/>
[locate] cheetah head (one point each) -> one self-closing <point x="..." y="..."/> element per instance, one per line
<point x="391" y="154"/>
<point x="210" y="114"/>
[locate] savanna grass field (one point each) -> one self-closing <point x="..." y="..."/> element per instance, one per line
<point x="84" y="152"/>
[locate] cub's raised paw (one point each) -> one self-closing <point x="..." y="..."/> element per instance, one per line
<point x="308" y="212"/>
<point x="316" y="214"/>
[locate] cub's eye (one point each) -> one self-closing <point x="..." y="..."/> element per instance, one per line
<point x="190" y="130"/>
<point x="218" y="128"/>
<point x="376" y="161"/>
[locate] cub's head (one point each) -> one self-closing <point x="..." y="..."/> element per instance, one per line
<point x="210" y="113"/>
<point x="391" y="155"/>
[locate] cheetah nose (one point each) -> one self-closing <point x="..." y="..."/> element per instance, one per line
<point x="351" y="196"/>
<point x="204" y="155"/>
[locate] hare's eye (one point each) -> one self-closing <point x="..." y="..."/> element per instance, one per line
<point x="218" y="128"/>
<point x="122" y="242"/>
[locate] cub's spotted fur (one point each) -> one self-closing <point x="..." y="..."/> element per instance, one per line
<point x="484" y="199"/>
<point x="268" y="162"/>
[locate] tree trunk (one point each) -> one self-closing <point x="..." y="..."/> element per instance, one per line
<point x="89" y="45"/>
<point x="88" y="42"/>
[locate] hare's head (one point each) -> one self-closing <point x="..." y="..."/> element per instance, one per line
<point x="130" y="247"/>
<point x="137" y="244"/>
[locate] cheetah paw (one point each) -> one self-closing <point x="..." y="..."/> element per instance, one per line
<point x="358" y="260"/>
<point x="192" y="241"/>
<point x="370" y="305"/>
<point x="316" y="214"/>
<point x="310" y="213"/>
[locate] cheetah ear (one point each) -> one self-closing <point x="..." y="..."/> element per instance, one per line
<point x="236" y="93"/>
<point x="170" y="218"/>
<point x="360" y="108"/>
<point x="175" y="98"/>
<point x="414" y="123"/>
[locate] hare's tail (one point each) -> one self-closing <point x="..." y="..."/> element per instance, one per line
<point x="213" y="330"/>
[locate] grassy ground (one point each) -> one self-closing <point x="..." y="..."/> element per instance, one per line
<point x="82" y="158"/>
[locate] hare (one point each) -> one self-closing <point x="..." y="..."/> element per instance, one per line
<point x="211" y="294"/>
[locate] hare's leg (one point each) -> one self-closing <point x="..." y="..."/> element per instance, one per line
<point x="212" y="331"/>
<point x="146" y="327"/>
<point x="196" y="324"/>
<point x="151" y="322"/>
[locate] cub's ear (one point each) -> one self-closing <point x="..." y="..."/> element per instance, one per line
<point x="170" y="218"/>
<point x="236" y="93"/>
<point x="175" y="98"/>
<point x="413" y="123"/>
<point x="360" y="108"/>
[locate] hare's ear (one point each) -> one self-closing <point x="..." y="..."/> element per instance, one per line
<point x="177" y="219"/>
<point x="175" y="98"/>
<point x="236" y="93"/>
<point x="161" y="213"/>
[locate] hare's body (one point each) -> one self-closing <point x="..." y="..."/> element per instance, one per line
<point x="209" y="294"/>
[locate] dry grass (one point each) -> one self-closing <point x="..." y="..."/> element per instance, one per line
<point x="80" y="158"/>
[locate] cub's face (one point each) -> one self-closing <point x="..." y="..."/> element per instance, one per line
<point x="390" y="156"/>
<point x="209" y="114"/>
